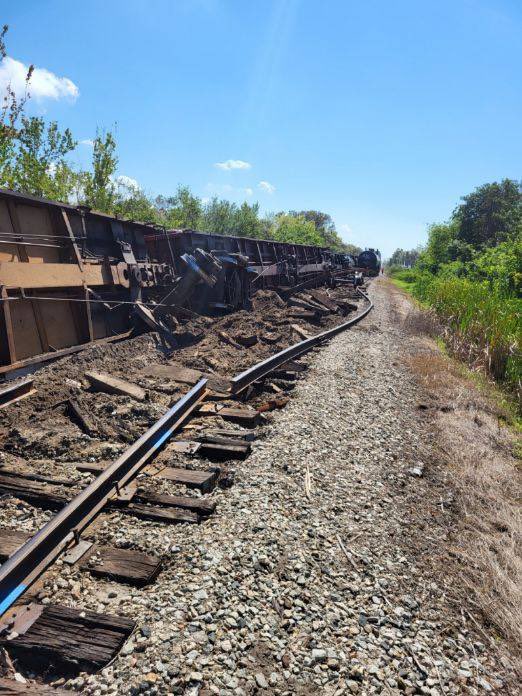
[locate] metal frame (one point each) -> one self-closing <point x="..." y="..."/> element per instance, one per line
<point x="31" y="559"/>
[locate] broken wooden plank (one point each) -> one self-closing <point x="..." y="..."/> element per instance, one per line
<point x="228" y="339"/>
<point x="121" y="565"/>
<point x="309" y="306"/>
<point x="273" y="404"/>
<point x="271" y="337"/>
<point x="299" y="331"/>
<point x="161" y="514"/>
<point x="101" y="381"/>
<point x="203" y="506"/>
<point x="324" y="300"/>
<point x="10" y="541"/>
<point x="246" y="340"/>
<point x="73" y="639"/>
<point x="204" y="480"/>
<point x="80" y="417"/>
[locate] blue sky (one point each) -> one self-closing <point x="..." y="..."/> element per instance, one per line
<point x="380" y="113"/>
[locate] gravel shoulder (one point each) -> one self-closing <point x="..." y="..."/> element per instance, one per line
<point x="327" y="568"/>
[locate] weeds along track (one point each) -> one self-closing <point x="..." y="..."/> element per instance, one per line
<point x="67" y="469"/>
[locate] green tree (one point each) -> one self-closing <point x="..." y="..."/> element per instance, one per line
<point x="99" y="191"/>
<point x="295" y="230"/>
<point x="406" y="258"/>
<point x="491" y="214"/>
<point x="181" y="210"/>
<point x="38" y="164"/>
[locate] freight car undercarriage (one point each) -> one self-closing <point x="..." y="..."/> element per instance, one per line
<point x="70" y="276"/>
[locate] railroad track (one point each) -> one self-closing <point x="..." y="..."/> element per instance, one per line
<point x="73" y="640"/>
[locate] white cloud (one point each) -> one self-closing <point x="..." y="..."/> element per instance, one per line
<point x="127" y="182"/>
<point x="232" y="164"/>
<point x="88" y="142"/>
<point x="266" y="186"/>
<point x="43" y="85"/>
<point x="345" y="229"/>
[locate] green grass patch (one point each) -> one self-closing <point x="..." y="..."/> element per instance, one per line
<point x="482" y="326"/>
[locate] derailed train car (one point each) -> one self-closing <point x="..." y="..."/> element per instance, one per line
<point x="247" y="264"/>
<point x="70" y="275"/>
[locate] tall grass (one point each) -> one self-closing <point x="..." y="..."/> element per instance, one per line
<point x="482" y="326"/>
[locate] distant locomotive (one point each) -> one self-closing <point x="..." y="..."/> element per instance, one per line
<point x="370" y="260"/>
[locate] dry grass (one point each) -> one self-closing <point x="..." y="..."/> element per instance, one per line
<point x="482" y="468"/>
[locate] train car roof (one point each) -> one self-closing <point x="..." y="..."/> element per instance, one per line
<point x="175" y="232"/>
<point x="37" y="200"/>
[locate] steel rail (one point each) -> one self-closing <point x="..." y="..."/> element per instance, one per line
<point x="246" y="378"/>
<point x="33" y="557"/>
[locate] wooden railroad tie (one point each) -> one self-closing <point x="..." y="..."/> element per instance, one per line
<point x="70" y="639"/>
<point x="114" y="385"/>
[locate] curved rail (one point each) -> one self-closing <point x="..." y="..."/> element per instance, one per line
<point x="33" y="557"/>
<point x="243" y="380"/>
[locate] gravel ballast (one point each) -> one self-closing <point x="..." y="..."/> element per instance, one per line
<point x="318" y="573"/>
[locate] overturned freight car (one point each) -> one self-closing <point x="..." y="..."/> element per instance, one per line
<point x="70" y="276"/>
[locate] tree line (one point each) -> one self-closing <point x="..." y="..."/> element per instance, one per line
<point x="482" y="240"/>
<point x="470" y="275"/>
<point x="34" y="159"/>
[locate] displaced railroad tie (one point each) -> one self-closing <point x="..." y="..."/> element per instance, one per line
<point x="78" y="415"/>
<point x="185" y="375"/>
<point x="248" y="417"/>
<point x="161" y="514"/>
<point x="324" y="300"/>
<point x="203" y="507"/>
<point x="15" y="391"/>
<point x="44" y="495"/>
<point x="121" y="565"/>
<point x="71" y="639"/>
<point x="204" y="480"/>
<point x="114" y="385"/>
